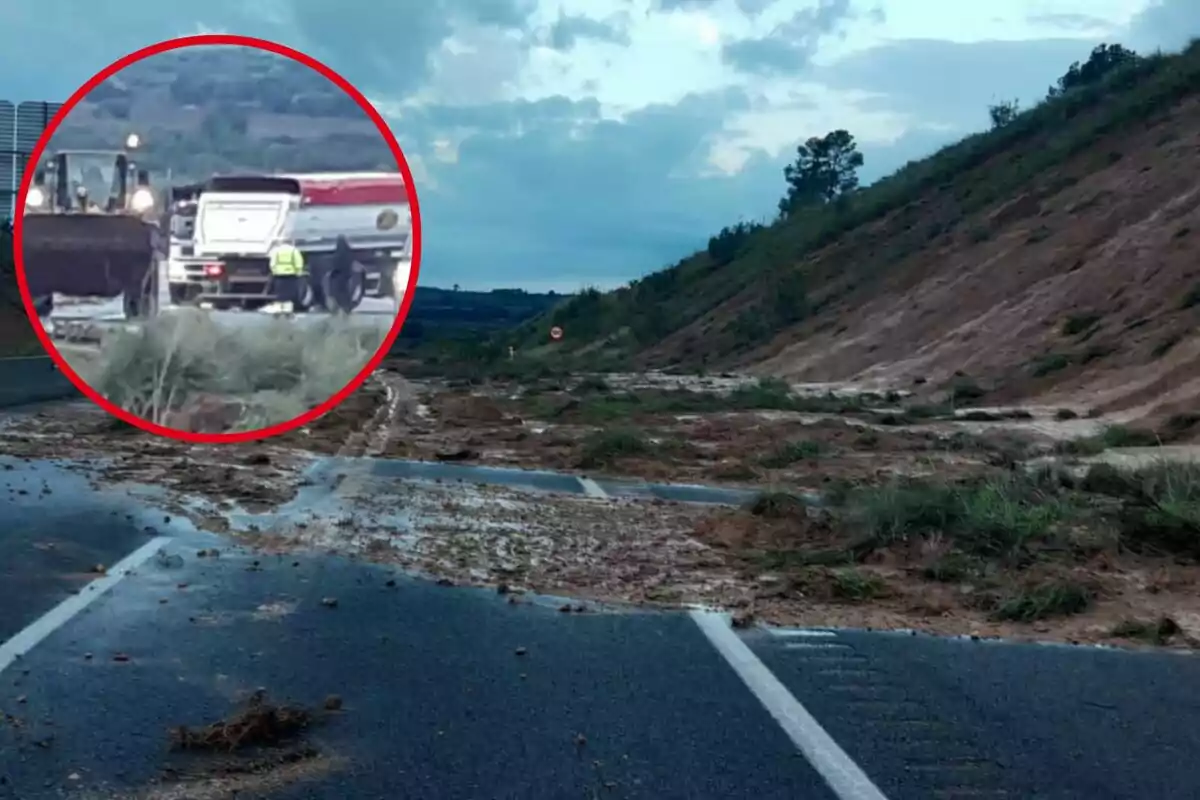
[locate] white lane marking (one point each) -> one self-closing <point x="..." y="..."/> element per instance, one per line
<point x="816" y="646"/>
<point x="55" y="618"/>
<point x="591" y="488"/>
<point x="844" y="777"/>
<point x="800" y="633"/>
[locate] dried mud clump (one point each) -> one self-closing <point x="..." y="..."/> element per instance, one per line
<point x="258" y="724"/>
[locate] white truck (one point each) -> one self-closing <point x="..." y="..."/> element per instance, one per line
<point x="221" y="236"/>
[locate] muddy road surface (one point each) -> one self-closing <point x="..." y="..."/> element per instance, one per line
<point x="249" y="663"/>
<point x="316" y="615"/>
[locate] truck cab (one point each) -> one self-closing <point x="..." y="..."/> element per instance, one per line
<point x="225" y="231"/>
<point x="239" y="218"/>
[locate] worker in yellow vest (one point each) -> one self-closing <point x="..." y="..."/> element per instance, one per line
<point x="287" y="271"/>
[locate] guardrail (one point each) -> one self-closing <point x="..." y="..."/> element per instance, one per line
<point x="33" y="379"/>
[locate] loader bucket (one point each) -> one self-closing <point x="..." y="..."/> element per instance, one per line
<point x="87" y="255"/>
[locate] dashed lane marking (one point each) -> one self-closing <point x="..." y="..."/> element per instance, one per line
<point x="591" y="488"/>
<point x="801" y="633"/>
<point x="816" y="646"/>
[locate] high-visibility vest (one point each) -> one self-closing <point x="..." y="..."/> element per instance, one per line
<point x="286" y="259"/>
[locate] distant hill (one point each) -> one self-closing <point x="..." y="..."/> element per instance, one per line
<point x="451" y="314"/>
<point x="201" y="110"/>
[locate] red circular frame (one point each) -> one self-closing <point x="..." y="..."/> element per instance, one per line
<point x="384" y="130"/>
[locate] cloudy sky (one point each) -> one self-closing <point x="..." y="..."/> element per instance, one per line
<point x="564" y="143"/>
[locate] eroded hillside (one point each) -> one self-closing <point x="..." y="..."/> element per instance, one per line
<point x="1087" y="284"/>
<point x="1051" y="259"/>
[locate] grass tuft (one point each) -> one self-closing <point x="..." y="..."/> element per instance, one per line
<point x="269" y="373"/>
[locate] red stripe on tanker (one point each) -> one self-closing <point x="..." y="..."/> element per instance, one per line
<point x="244" y="215"/>
<point x="320" y="190"/>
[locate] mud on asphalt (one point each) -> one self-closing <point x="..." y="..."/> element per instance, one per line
<point x="312" y="490"/>
<point x="788" y="568"/>
<point x="208" y="673"/>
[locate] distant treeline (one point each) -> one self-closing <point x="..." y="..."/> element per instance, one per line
<point x="457" y="314"/>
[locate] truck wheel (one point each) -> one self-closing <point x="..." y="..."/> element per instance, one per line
<point x="307" y="297"/>
<point x="328" y="295"/>
<point x="318" y="278"/>
<point x="355" y="290"/>
<point x="387" y="281"/>
<point x="358" y="287"/>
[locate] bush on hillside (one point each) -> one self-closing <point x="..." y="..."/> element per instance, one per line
<point x="1104" y="60"/>
<point x="1003" y="113"/>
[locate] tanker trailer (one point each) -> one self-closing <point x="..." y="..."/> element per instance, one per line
<point x="89" y="230"/>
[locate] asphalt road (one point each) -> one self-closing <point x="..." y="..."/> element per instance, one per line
<point x="458" y="693"/>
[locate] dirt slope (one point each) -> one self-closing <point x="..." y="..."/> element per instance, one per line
<point x="1091" y="290"/>
<point x="1082" y="285"/>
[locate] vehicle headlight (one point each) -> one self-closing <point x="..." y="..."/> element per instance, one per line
<point x="35" y="197"/>
<point x="142" y="200"/>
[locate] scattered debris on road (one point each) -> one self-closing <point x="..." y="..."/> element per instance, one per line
<point x="85" y="438"/>
<point x="931" y="516"/>
<point x="223" y="778"/>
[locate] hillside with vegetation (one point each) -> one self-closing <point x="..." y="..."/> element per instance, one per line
<point x="202" y="110"/>
<point x="1051" y="255"/>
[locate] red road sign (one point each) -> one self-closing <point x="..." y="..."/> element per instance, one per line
<point x="556" y="333"/>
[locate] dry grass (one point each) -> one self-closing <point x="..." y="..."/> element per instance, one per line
<point x="1022" y="543"/>
<point x="269" y="373"/>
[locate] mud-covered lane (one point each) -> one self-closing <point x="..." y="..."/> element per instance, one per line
<point x="446" y="692"/>
<point x="453" y="692"/>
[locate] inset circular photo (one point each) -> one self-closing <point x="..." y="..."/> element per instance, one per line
<point x="217" y="238"/>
